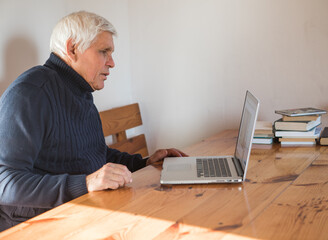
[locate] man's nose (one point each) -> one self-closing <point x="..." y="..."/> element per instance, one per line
<point x="110" y="62"/>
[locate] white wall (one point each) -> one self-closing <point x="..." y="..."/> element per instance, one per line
<point x="188" y="62"/>
<point x="193" y="60"/>
<point x="25" y="33"/>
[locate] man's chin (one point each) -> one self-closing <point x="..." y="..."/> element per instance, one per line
<point x="99" y="86"/>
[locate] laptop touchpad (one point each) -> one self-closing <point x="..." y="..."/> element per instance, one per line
<point x="179" y="167"/>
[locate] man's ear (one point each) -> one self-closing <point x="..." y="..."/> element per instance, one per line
<point x="71" y="50"/>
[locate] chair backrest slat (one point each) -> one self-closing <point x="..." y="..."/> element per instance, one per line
<point x="116" y="121"/>
<point x="134" y="145"/>
<point x="120" y="119"/>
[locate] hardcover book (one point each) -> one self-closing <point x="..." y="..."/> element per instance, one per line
<point x="301" y="111"/>
<point x="262" y="140"/>
<point x="263" y="129"/>
<point x="297" y="139"/>
<point x="300" y="118"/>
<point x="298" y="143"/>
<point x="313" y="133"/>
<point x="296" y="126"/>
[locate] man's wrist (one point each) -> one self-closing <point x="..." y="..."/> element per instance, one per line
<point x="147" y="161"/>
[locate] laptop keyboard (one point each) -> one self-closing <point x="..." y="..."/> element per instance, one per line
<point x="213" y="167"/>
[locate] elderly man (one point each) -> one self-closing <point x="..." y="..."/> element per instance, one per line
<point x="52" y="148"/>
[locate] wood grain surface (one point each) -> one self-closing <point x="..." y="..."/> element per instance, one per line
<point x="284" y="197"/>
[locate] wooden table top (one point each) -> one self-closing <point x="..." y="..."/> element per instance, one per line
<point x="284" y="197"/>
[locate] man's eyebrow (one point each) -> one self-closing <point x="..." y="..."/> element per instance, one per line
<point x="110" y="49"/>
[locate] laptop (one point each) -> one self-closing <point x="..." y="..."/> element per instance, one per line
<point x="217" y="169"/>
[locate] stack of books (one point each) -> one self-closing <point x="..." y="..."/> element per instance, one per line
<point x="263" y="133"/>
<point x="298" y="126"/>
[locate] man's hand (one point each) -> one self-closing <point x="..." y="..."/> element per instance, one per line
<point x="110" y="176"/>
<point x="163" y="153"/>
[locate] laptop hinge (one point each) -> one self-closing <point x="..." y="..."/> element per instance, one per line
<point x="239" y="169"/>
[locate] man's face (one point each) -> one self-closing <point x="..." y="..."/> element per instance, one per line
<point x="94" y="63"/>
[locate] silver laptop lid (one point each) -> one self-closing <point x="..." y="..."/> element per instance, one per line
<point x="246" y="130"/>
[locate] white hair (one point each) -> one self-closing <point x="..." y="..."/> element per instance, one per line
<point x="82" y="27"/>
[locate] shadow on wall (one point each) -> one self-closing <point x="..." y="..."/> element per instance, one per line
<point x="20" y="54"/>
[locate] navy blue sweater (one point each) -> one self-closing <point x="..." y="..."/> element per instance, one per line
<point x="50" y="139"/>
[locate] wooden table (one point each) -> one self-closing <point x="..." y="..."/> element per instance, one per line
<point x="285" y="197"/>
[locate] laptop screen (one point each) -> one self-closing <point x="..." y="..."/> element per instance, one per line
<point x="246" y="129"/>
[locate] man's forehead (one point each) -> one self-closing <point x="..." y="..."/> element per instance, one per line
<point x="104" y="40"/>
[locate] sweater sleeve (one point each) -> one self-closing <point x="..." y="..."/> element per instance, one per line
<point x="25" y="121"/>
<point x="133" y="162"/>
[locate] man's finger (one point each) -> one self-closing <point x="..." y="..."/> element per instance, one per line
<point x="172" y="152"/>
<point x="120" y="170"/>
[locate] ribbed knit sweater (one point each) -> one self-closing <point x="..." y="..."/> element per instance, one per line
<point x="50" y="139"/>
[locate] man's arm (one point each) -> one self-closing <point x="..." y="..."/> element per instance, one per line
<point x="25" y="121"/>
<point x="132" y="162"/>
<point x="114" y="175"/>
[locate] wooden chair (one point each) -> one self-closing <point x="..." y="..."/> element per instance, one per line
<point x="116" y="121"/>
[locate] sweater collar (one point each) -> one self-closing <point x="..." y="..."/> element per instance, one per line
<point x="70" y="77"/>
